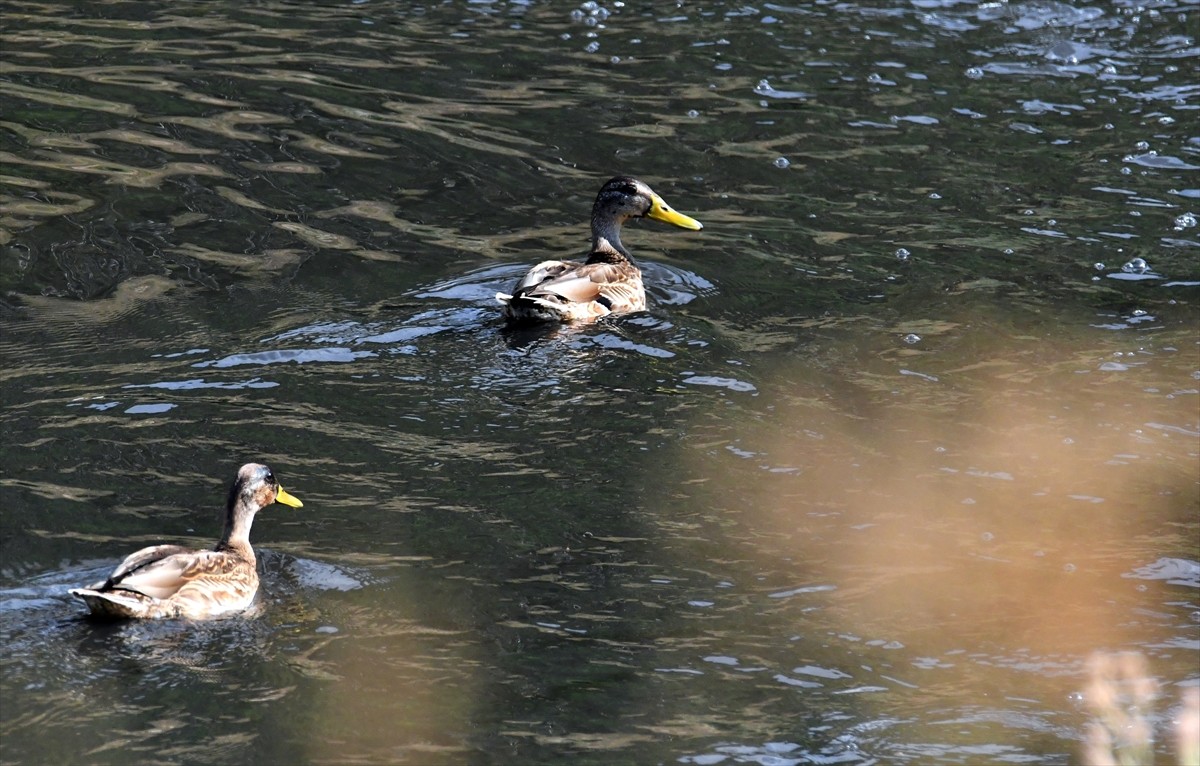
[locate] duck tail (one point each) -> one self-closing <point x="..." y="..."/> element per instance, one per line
<point x="525" y="307"/>
<point x="113" y="604"/>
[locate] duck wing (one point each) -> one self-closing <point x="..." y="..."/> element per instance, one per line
<point x="163" y="570"/>
<point x="577" y="290"/>
<point x="546" y="271"/>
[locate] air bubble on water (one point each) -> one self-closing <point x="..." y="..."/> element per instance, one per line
<point x="911" y="338"/>
<point x="693" y="113"/>
<point x="1126" y="171"/>
<point x="565" y="36"/>
<point x="1137" y="313"/>
<point x="782" y="162"/>
<point x="589" y="6"/>
<point x="614" y="60"/>
<point x="1052" y="222"/>
<point x="1185" y="221"/>
<point x="902" y="254"/>
<point x="987" y="537"/>
<point x="1166" y="120"/>
<point x="1008" y="251"/>
<point x="974" y="73"/>
<point x="592" y="47"/>
<point x="1068" y="441"/>
<point x="1142" y="146"/>
<point x="1098" y="266"/>
<point x="1136" y="266"/>
<point x="1069" y="568"/>
<point x="934" y="195"/>
<point x="1109" y="126"/>
<point x="1109" y="69"/>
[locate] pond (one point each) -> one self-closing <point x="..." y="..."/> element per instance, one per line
<point x="906" y="435"/>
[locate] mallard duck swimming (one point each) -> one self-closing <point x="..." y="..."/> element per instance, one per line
<point x="608" y="281"/>
<point x="173" y="581"/>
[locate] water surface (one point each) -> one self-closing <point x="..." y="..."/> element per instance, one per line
<point x="907" y="433"/>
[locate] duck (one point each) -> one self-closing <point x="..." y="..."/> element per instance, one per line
<point x="608" y="281"/>
<point x="171" y="581"/>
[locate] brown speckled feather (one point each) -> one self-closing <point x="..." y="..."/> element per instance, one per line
<point x="567" y="291"/>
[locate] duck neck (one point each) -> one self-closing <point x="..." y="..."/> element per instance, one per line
<point x="236" y="536"/>
<point x="606" y="242"/>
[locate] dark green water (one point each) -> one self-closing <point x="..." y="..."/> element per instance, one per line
<point x="907" y="432"/>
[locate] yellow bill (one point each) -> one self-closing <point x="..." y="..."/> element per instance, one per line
<point x="287" y="499"/>
<point x="661" y="211"/>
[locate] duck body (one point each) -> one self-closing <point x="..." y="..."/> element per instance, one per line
<point x="606" y="282"/>
<point x="165" y="581"/>
<point x="568" y="291"/>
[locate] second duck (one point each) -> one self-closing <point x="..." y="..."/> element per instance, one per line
<point x="173" y="581"/>
<point x="608" y="281"/>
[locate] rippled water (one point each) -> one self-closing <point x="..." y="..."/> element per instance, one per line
<point x="908" y="431"/>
